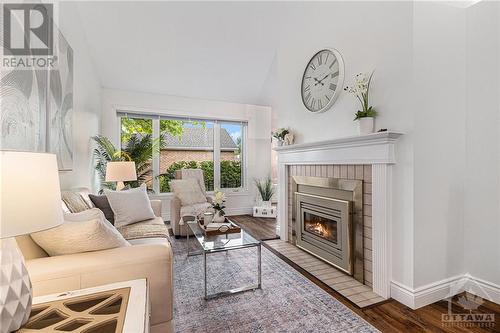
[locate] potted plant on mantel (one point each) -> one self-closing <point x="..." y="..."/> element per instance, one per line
<point x="283" y="136"/>
<point x="366" y="116"/>
<point x="266" y="191"/>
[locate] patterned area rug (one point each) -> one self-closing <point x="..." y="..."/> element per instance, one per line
<point x="288" y="302"/>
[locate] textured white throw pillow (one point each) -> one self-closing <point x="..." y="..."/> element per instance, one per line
<point x="130" y="206"/>
<point x="81" y="232"/>
<point x="188" y="191"/>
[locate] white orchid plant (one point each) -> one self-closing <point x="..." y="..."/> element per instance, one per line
<point x="218" y="202"/>
<point x="360" y="90"/>
<point x="280" y="133"/>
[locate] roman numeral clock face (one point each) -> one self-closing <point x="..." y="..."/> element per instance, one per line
<point x="322" y="80"/>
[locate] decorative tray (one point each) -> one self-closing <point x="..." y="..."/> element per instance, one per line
<point x="214" y="229"/>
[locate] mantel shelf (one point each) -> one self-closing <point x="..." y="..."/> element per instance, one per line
<point x="351" y="141"/>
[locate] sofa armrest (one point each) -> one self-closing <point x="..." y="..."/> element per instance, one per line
<point x="90" y="269"/>
<point x="175" y="215"/>
<point x="156" y="205"/>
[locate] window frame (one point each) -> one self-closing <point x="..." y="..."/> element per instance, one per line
<point x="216" y="149"/>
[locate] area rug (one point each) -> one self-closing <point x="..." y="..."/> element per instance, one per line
<point x="287" y="302"/>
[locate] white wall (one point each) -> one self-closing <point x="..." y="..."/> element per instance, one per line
<point x="258" y="134"/>
<point x="437" y="81"/>
<point x="86" y="102"/>
<point x="482" y="195"/>
<point x="370" y="36"/>
<point x="439" y="140"/>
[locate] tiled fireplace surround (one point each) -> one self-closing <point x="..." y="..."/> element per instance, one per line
<point x="369" y="158"/>
<point x="357" y="172"/>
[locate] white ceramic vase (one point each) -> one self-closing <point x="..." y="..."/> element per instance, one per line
<point x="366" y="125"/>
<point x="218" y="217"/>
<point x="266" y="204"/>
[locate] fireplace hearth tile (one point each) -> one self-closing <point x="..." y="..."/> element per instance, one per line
<point x="359" y="294"/>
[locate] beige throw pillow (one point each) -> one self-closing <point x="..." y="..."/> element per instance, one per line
<point x="188" y="191"/>
<point x="81" y="232"/>
<point x="130" y="206"/>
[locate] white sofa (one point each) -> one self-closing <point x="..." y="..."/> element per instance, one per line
<point x="149" y="258"/>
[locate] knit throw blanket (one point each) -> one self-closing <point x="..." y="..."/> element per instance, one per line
<point x="140" y="230"/>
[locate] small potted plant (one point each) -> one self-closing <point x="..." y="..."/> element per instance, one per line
<point x="365" y="116"/>
<point x="280" y="135"/>
<point x="266" y="191"/>
<point x="218" y="202"/>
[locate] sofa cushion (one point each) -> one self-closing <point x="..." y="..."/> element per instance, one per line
<point x="188" y="191"/>
<point x="81" y="232"/>
<point x="130" y="206"/>
<point x="74" y="201"/>
<point x="101" y="202"/>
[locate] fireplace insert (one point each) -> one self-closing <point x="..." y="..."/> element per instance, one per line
<point x="328" y="217"/>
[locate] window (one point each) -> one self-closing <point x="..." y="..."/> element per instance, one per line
<point x="187" y="144"/>
<point x="169" y="144"/>
<point x="231" y="152"/>
<point x="137" y="145"/>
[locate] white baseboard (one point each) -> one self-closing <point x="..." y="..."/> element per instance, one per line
<point x="433" y="292"/>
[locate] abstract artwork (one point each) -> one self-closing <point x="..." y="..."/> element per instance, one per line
<point x="36" y="106"/>
<point x="60" y="105"/>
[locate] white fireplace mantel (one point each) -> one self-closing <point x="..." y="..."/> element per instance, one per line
<point x="376" y="149"/>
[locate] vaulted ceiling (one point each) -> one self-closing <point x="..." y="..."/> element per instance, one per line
<point x="220" y="51"/>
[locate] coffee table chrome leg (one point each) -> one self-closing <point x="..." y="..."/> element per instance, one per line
<point x="205" y="273"/>
<point x="259" y="265"/>
<point x="187" y="241"/>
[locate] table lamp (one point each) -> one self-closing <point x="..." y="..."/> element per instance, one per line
<point x="120" y="172"/>
<point x="30" y="201"/>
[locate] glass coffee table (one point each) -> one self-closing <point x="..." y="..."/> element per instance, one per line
<point x="221" y="243"/>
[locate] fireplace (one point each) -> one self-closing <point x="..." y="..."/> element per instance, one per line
<point x="329" y="224"/>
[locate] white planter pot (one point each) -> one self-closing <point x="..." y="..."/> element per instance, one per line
<point x="219" y="218"/>
<point x="266" y="204"/>
<point x="366" y="125"/>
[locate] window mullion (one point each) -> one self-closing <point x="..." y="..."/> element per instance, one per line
<point x="156" y="155"/>
<point x="217" y="182"/>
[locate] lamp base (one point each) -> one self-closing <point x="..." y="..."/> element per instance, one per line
<point x="120" y="186"/>
<point x="15" y="287"/>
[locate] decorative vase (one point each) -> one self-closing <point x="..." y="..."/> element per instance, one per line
<point x="366" y="125"/>
<point x="266" y="204"/>
<point x="218" y="217"/>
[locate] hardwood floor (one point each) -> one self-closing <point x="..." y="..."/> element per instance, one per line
<point x="260" y="228"/>
<point x="389" y="316"/>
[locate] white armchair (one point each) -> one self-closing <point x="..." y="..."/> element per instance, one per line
<point x="177" y="210"/>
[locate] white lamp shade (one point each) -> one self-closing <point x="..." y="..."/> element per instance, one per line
<point x="30" y="197"/>
<point x="120" y="171"/>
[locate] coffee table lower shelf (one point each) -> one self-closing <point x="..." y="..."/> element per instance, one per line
<point x="246" y="242"/>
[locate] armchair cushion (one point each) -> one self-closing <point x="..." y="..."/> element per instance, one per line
<point x="188" y="191"/>
<point x="195" y="209"/>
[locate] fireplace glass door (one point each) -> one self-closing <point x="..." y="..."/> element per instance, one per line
<point x="321" y="226"/>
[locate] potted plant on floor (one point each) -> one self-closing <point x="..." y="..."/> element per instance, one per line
<point x="266" y="191"/>
<point x="366" y="116"/>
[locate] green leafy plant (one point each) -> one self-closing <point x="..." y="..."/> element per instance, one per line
<point x="265" y="187"/>
<point x="230" y="173"/>
<point x="139" y="148"/>
<point x="361" y="90"/>
<point x="280" y="133"/>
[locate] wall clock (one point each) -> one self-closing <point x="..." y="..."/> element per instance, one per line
<point x="323" y="80"/>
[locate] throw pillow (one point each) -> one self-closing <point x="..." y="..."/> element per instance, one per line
<point x="188" y="191"/>
<point x="81" y="232"/>
<point x="101" y="202"/>
<point x="130" y="206"/>
<point x="74" y="201"/>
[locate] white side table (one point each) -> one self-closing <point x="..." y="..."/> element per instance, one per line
<point x="118" y="307"/>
